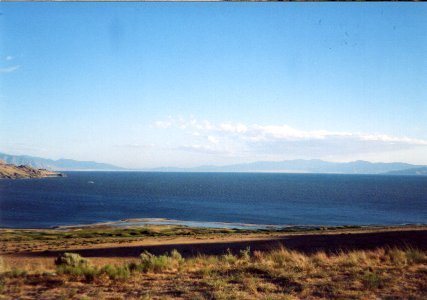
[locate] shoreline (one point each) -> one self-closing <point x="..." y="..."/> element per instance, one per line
<point x="44" y="241"/>
<point x="141" y="222"/>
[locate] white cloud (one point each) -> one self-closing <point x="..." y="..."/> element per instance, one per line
<point x="205" y="149"/>
<point x="233" y="137"/>
<point x="213" y="140"/>
<point x="135" y="146"/>
<point x="165" y="124"/>
<point x="9" y="69"/>
<point x="237" y="128"/>
<point x="391" y="139"/>
<point x="9" y="57"/>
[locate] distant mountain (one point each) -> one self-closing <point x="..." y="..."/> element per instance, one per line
<point x="287" y="166"/>
<point x="422" y="171"/>
<point x="58" y="165"/>
<point x="301" y="166"/>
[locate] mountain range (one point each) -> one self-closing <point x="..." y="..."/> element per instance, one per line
<point x="57" y="165"/>
<point x="310" y="166"/>
<point x="287" y="166"/>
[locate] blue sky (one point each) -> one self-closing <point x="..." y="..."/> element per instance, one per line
<point x="184" y="84"/>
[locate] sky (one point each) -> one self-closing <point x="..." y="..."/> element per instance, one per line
<point x="144" y="85"/>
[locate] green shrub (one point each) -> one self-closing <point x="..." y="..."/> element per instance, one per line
<point x="372" y="280"/>
<point x="116" y="272"/>
<point x="153" y="263"/>
<point x="75" y="265"/>
<point x="397" y="256"/>
<point x="415" y="256"/>
<point x="245" y="254"/>
<point x="17" y="273"/>
<point x="72" y="260"/>
<point x="176" y="256"/>
<point x="229" y="257"/>
<point x="88" y="272"/>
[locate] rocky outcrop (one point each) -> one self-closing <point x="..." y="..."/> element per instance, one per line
<point x="15" y="172"/>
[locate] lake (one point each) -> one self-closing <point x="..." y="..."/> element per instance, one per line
<point x="203" y="198"/>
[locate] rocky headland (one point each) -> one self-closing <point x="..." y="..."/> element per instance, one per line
<point x="10" y="171"/>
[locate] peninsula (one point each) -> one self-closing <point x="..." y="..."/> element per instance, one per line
<point x="10" y="171"/>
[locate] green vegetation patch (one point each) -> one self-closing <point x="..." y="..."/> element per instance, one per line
<point x="22" y="235"/>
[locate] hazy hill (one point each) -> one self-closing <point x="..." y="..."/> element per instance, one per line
<point x="412" y="171"/>
<point x="301" y="166"/>
<point x="59" y="165"/>
<point x="287" y="166"/>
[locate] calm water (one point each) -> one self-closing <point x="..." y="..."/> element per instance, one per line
<point x="281" y="199"/>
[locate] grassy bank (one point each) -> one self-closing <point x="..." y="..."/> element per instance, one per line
<point x="296" y="263"/>
<point x="277" y="274"/>
<point x="27" y="240"/>
<point x="10" y="235"/>
<point x="14" y="241"/>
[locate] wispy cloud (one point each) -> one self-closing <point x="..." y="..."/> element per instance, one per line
<point x="135" y="146"/>
<point x="204" y="149"/>
<point x="235" y="137"/>
<point x="9" y="69"/>
<point x="9" y="57"/>
<point x="164" y="123"/>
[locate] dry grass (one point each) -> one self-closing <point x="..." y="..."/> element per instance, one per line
<point x="278" y="274"/>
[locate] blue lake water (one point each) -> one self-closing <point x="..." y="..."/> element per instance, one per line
<point x="279" y="199"/>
